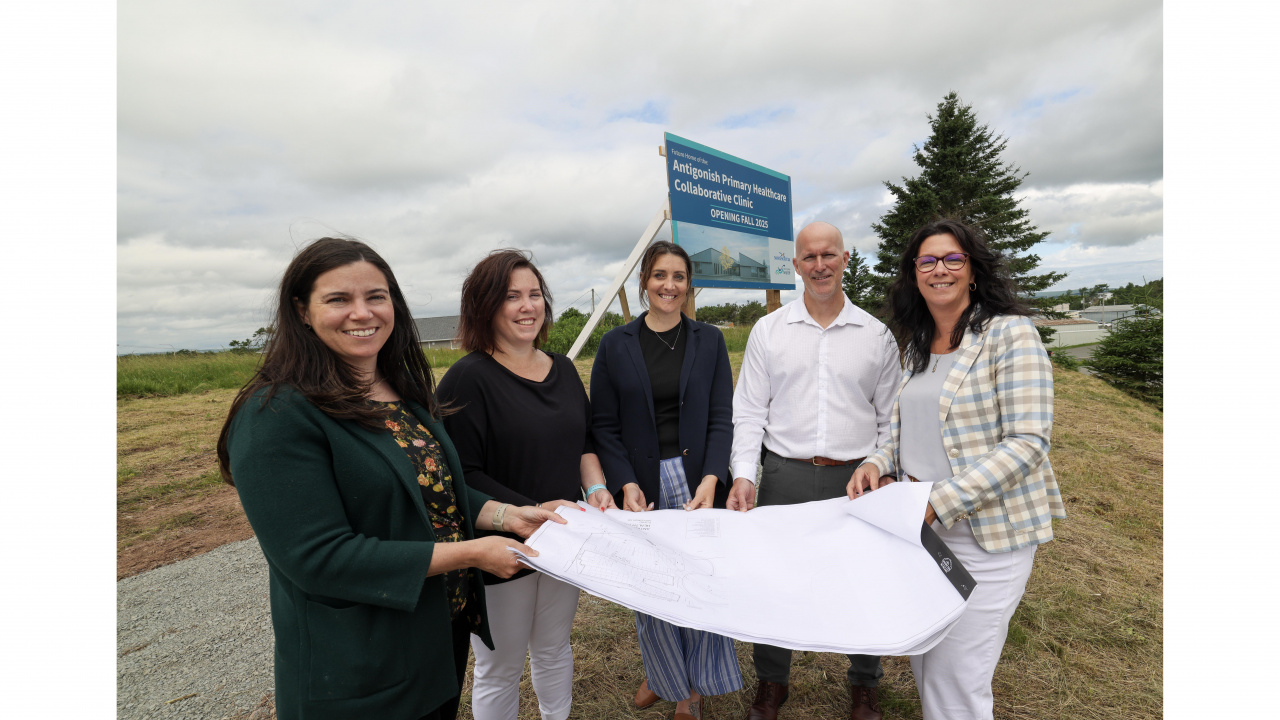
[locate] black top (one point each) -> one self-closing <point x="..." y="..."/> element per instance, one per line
<point x="518" y="440"/>
<point x="663" y="356"/>
<point x="437" y="487"/>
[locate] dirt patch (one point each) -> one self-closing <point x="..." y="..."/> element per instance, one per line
<point x="181" y="530"/>
<point x="171" y="504"/>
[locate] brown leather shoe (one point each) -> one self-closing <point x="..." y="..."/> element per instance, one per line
<point x="644" y="696"/>
<point x="769" y="697"/>
<point x="866" y="703"/>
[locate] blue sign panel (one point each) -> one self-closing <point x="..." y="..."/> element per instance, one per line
<point x="733" y="217"/>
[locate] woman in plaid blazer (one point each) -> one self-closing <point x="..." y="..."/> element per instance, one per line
<point x="973" y="415"/>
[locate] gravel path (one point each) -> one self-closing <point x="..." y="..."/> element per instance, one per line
<point x="199" y="626"/>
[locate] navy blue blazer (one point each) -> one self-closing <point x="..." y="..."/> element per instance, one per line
<point x="623" y="421"/>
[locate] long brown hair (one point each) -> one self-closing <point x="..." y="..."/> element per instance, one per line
<point x="485" y="290"/>
<point x="296" y="357"/>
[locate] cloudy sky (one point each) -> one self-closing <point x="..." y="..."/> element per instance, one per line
<point x="437" y="132"/>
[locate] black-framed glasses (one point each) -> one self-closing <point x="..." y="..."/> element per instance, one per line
<point x="951" y="261"/>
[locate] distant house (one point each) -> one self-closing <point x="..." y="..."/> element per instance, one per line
<point x="438" y="332"/>
<point x="1107" y="313"/>
<point x="715" y="264"/>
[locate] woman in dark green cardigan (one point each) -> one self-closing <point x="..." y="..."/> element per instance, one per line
<point x="358" y="501"/>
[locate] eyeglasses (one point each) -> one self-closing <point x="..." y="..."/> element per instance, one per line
<point x="951" y="261"/>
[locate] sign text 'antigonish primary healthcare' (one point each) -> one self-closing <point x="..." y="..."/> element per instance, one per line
<point x="733" y="217"/>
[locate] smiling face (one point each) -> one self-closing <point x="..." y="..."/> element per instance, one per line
<point x="820" y="261"/>
<point x="668" y="285"/>
<point x="350" y="310"/>
<point x="943" y="290"/>
<point x="520" y="317"/>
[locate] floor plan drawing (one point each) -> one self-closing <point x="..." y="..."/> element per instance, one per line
<point x="632" y="561"/>
<point x="788" y="575"/>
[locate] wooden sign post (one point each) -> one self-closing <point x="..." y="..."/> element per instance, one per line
<point x="772" y="300"/>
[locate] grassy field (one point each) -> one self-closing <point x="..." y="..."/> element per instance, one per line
<point x="168" y="374"/>
<point x="1086" y="641"/>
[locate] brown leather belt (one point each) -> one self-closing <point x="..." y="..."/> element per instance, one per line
<point x="828" y="462"/>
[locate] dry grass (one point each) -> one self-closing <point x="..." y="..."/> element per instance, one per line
<point x="1086" y="641"/>
<point x="170" y="501"/>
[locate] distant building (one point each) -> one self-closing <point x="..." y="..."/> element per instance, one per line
<point x="438" y="332"/>
<point x="1070" y="331"/>
<point x="1107" y="313"/>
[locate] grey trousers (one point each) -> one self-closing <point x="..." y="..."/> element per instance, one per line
<point x="786" y="482"/>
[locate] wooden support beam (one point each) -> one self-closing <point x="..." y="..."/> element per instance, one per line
<point x="632" y="260"/>
<point x="772" y="300"/>
<point x="626" y="309"/>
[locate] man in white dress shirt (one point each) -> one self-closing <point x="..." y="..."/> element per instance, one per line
<point x="815" y="392"/>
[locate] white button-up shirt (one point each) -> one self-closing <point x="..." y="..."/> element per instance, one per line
<point x="807" y="391"/>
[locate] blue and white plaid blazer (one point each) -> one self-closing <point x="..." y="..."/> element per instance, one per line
<point x="996" y="410"/>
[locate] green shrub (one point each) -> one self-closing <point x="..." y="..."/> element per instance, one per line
<point x="565" y="331"/>
<point x="1132" y="358"/>
<point x="1063" y="360"/>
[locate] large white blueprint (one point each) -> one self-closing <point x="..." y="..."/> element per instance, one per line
<point x="832" y="575"/>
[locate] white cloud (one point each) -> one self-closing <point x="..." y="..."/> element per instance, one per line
<point x="1097" y="215"/>
<point x="439" y="132"/>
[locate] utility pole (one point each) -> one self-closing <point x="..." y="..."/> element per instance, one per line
<point x="593" y="301"/>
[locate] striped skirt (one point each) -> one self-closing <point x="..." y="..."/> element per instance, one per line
<point x="676" y="659"/>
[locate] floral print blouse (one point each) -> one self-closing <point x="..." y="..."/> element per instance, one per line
<point x="436" y="483"/>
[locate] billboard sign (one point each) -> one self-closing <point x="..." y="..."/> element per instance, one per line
<point x="733" y="217"/>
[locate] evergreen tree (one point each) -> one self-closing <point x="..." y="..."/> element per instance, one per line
<point x="857" y="281"/>
<point x="963" y="177"/>
<point x="1131" y="358"/>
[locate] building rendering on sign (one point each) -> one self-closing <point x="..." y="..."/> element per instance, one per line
<point x="719" y="265"/>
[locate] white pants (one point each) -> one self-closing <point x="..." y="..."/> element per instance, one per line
<point x="954" y="678"/>
<point x="533" y="614"/>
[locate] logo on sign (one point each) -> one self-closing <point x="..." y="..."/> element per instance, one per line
<point x="781" y="257"/>
<point x="946" y="564"/>
<point x="783" y="270"/>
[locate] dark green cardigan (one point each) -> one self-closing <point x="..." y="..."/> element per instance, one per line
<point x="360" y="629"/>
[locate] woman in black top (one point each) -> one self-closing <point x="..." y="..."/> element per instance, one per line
<point x="521" y="423"/>
<point x="662" y="401"/>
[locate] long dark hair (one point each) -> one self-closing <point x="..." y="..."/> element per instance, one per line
<point x="650" y="258"/>
<point x="485" y="290"/>
<point x="995" y="293"/>
<point x="296" y="357"/>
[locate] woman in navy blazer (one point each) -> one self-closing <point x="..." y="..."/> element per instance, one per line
<point x="662" y="421"/>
